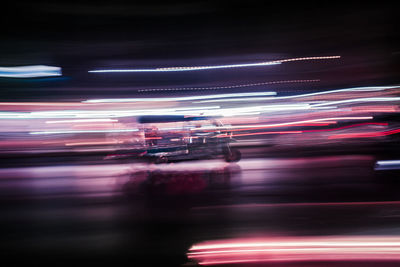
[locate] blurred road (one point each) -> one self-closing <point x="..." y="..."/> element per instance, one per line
<point x="143" y="213"/>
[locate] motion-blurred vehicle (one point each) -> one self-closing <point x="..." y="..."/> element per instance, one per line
<point x="179" y="138"/>
<point x="191" y="138"/>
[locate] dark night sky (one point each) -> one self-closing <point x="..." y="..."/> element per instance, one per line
<point x="83" y="36"/>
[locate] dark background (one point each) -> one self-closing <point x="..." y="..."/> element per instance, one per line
<point x="124" y="34"/>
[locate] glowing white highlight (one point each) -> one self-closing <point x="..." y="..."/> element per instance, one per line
<point x="389" y="162"/>
<point x="30" y="71"/>
<point x="184" y="98"/>
<point x="237" y="99"/>
<point x="387" y="165"/>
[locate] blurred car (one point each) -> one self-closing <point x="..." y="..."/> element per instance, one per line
<point x="194" y="138"/>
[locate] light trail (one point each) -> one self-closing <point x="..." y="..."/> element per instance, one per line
<point x="356" y="100"/>
<point x="319" y="130"/>
<point x="93" y="143"/>
<point x="183" y="98"/>
<point x="365" y="135"/>
<point x="330" y="120"/>
<point x="293" y="249"/>
<point x="30" y="71"/>
<point x="228" y="86"/>
<point x="387" y="165"/>
<point x="229" y="66"/>
<point x="246" y="96"/>
<point x="83" y="131"/>
<point x="82" y="120"/>
<point x="355" y="89"/>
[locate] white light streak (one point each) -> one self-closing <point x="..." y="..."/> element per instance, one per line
<point x="30" y="71"/>
<point x="83" y="120"/>
<point x="366" y="99"/>
<point x="175" y="69"/>
<point x="389" y="162"/>
<point x="196" y="68"/>
<point x="387" y="165"/>
<point x="184" y="98"/>
<point x="354" y="89"/>
<point x="84" y="131"/>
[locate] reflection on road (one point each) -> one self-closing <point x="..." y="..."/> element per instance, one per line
<point x="165" y="209"/>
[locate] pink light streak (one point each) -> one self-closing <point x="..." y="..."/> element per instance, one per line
<point x="328" y="130"/>
<point x="348" y="126"/>
<point x="365" y="135"/>
<point x="274" y="132"/>
<point x="290" y="249"/>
